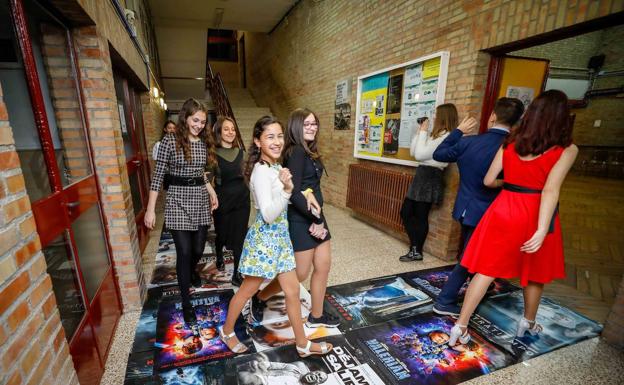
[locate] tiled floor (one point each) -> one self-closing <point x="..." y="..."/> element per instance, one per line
<point x="360" y="252"/>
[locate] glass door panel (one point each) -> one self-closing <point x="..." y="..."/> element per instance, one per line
<point x="62" y="270"/>
<point x="91" y="246"/>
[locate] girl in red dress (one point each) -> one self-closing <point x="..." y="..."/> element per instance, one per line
<point x="520" y="234"/>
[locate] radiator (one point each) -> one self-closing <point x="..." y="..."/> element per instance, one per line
<point x="378" y="193"/>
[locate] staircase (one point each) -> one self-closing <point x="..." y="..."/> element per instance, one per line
<point x="245" y="111"/>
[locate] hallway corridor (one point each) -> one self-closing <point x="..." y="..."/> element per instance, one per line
<point x="361" y="252"/>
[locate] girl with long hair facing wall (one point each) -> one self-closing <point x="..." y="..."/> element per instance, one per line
<point x="186" y="154"/>
<point x="427" y="187"/>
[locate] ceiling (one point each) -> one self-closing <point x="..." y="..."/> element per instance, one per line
<point x="181" y="28"/>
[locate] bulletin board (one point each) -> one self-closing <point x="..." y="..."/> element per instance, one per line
<point x="390" y="101"/>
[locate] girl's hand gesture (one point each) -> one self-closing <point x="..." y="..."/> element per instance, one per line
<point x="534" y="244"/>
<point x="467" y="125"/>
<point x="286" y="178"/>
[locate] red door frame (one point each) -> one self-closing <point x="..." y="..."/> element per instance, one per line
<point x="139" y="164"/>
<point x="55" y="213"/>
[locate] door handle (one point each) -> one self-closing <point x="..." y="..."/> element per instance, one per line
<point x="72" y="204"/>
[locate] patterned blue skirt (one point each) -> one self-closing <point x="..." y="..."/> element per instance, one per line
<point x="267" y="250"/>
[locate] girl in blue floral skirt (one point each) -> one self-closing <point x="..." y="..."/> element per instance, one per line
<point x="267" y="251"/>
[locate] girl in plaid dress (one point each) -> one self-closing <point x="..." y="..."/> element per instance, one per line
<point x="190" y="197"/>
<point x="267" y="251"/>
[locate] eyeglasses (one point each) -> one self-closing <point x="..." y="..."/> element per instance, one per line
<point x="310" y="124"/>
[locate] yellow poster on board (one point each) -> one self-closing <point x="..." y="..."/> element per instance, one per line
<point x="371" y="124"/>
<point x="431" y="68"/>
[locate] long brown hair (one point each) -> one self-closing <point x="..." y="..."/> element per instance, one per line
<point x="189" y="108"/>
<point x="294" y="137"/>
<point x="254" y="151"/>
<point x="217" y="127"/>
<point x="545" y="124"/>
<point x="446" y="120"/>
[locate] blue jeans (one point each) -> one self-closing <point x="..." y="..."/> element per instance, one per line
<point x="449" y="293"/>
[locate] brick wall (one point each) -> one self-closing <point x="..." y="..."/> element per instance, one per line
<point x="110" y="161"/>
<point x="322" y="42"/>
<point x="33" y="347"/>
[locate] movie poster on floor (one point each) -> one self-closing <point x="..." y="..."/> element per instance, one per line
<point x="342" y="112"/>
<point x="368" y="302"/>
<point x="413" y="90"/>
<point x="187" y="375"/>
<point x="342" y="366"/>
<point x="212" y="278"/>
<point x="276" y="334"/>
<point x="140" y="368"/>
<point x="497" y="320"/>
<point x="145" y="335"/>
<point x="415" y="350"/>
<point x="431" y="281"/>
<point x="179" y="345"/>
<point x="275" y="310"/>
<point x="371" y="121"/>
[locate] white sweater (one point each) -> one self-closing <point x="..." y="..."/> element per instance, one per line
<point x="423" y="146"/>
<point x="268" y="192"/>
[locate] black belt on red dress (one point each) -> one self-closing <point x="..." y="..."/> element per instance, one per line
<point x="527" y="190"/>
<point x="185" y="181"/>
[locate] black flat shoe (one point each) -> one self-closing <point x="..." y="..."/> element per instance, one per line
<point x="237" y="279"/>
<point x="220" y="264"/>
<point x="188" y="312"/>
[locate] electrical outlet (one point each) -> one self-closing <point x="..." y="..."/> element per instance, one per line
<point x="587" y="274"/>
<point x="597" y="123"/>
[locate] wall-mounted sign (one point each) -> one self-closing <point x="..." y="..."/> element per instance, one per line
<point x="342" y="112"/>
<point x="389" y="102"/>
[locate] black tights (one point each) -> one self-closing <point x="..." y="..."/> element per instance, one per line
<point x="415" y="216"/>
<point x="231" y="229"/>
<point x="189" y="249"/>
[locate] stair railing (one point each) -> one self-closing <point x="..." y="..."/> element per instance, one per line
<point x="214" y="85"/>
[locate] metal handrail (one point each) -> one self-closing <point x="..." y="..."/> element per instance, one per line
<point x="214" y="85"/>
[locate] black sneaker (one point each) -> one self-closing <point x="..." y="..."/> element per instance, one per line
<point x="326" y="320"/>
<point x="257" y="309"/>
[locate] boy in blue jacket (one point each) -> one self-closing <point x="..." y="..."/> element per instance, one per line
<point x="473" y="155"/>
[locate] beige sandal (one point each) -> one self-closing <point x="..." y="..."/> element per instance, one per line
<point x="306" y="352"/>
<point x="238" y="348"/>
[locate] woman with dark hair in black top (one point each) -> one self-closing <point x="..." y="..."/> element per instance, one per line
<point x="309" y="232"/>
<point x="232" y="216"/>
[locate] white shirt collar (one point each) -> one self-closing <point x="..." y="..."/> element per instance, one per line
<point x="500" y="128"/>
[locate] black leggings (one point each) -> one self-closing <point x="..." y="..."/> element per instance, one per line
<point x="231" y="229"/>
<point x="189" y="249"/>
<point x="415" y="216"/>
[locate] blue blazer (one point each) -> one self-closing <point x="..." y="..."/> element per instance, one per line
<point x="473" y="155"/>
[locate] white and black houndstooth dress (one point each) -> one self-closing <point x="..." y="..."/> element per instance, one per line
<point x="186" y="207"/>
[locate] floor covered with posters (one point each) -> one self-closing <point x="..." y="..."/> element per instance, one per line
<point x="388" y="336"/>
